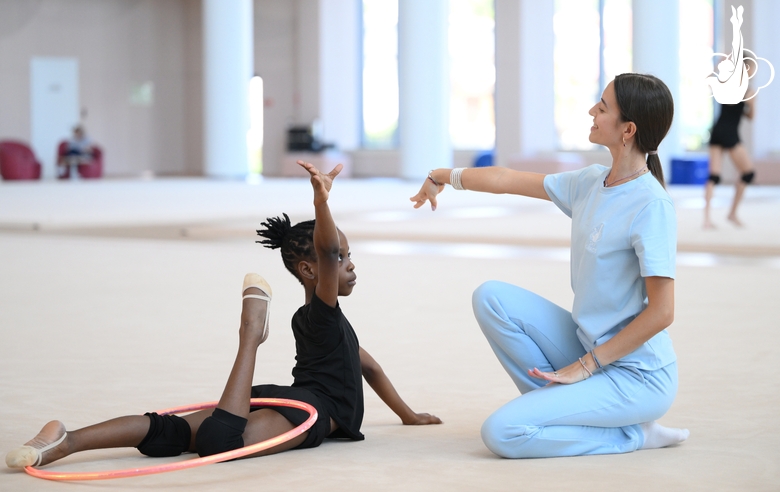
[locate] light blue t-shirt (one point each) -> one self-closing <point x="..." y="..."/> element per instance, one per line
<point x="619" y="235"/>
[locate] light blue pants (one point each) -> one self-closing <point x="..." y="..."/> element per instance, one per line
<point x="597" y="416"/>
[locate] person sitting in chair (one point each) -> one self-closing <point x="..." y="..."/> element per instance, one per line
<point x="79" y="150"/>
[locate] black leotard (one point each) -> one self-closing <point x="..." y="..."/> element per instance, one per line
<point x="724" y="132"/>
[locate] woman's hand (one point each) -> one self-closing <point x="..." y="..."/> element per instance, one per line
<point x="321" y="182"/>
<point x="428" y="191"/>
<point x="423" y="419"/>
<point x="573" y="373"/>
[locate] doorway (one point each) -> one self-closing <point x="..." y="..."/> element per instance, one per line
<point x="54" y="107"/>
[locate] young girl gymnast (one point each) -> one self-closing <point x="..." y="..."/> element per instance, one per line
<point x="593" y="380"/>
<point x="327" y="374"/>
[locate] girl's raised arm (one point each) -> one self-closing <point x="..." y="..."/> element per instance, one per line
<point x="326" y="236"/>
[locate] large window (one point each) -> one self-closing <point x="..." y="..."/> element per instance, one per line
<point x="592" y="45"/>
<point x="472" y="73"/>
<point x="472" y="43"/>
<point x="380" y="73"/>
<point x="593" y="41"/>
<point x="696" y="62"/>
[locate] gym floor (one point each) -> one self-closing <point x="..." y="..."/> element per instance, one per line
<point x="123" y="296"/>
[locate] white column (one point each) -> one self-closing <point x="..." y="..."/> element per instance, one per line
<point x="307" y="61"/>
<point x="766" y="39"/>
<point x="525" y="98"/>
<point x="656" y="25"/>
<point x="227" y="67"/>
<point x="423" y="85"/>
<point x="340" y="77"/>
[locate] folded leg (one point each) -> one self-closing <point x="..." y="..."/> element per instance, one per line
<point x="600" y="415"/>
<point x="525" y="331"/>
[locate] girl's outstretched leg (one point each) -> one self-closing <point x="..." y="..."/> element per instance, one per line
<point x="253" y="332"/>
<point x="53" y="442"/>
<point x="156" y="435"/>
<point x="225" y="429"/>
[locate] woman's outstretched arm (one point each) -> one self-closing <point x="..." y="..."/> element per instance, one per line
<point x="499" y="180"/>
<point x="379" y="382"/>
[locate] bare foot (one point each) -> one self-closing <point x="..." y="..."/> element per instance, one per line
<point x="49" y="445"/>
<point x="709" y="225"/>
<point x="734" y="220"/>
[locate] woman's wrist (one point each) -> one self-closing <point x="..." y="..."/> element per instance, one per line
<point x="596" y="360"/>
<point x="430" y="178"/>
<point x="455" y="178"/>
<point x="438" y="177"/>
<point x="589" y="363"/>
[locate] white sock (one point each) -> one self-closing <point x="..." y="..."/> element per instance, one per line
<point x="658" y="436"/>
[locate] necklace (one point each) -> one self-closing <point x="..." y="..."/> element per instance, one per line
<point x="607" y="185"/>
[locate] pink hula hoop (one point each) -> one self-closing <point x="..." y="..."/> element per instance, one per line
<point x="207" y="460"/>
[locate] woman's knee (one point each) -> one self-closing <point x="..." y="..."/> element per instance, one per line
<point x="219" y="433"/>
<point x="492" y="436"/>
<point x="485" y="291"/>
<point x="486" y="298"/>
<point x="504" y="439"/>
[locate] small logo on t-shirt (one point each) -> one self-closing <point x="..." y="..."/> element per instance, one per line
<point x="595" y="236"/>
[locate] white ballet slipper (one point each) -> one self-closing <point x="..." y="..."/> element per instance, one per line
<point x="29" y="456"/>
<point x="258" y="282"/>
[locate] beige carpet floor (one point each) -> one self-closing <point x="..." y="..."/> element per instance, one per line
<point x="119" y="297"/>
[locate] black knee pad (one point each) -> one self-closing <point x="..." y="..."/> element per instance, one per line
<point x="748" y="177"/>
<point x="715" y="178"/>
<point x="219" y="433"/>
<point x="169" y="435"/>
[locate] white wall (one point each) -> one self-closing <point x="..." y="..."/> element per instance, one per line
<point x="525" y="122"/>
<point x="275" y="62"/>
<point x="119" y="44"/>
<point x="125" y="42"/>
<point x="340" y="72"/>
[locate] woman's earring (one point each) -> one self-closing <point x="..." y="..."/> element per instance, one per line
<point x="624" y="142"/>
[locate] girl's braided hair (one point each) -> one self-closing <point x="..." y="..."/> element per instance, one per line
<point x="296" y="242"/>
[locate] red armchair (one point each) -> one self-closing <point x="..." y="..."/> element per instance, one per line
<point x="17" y="161"/>
<point x="92" y="169"/>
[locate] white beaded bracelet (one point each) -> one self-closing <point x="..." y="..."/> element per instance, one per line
<point x="455" y="181"/>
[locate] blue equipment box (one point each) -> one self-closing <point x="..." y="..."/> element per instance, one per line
<point x="690" y="170"/>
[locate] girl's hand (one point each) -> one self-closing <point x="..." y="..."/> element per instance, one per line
<point x="320" y="181"/>
<point x="573" y="373"/>
<point x="423" y="419"/>
<point x="428" y="191"/>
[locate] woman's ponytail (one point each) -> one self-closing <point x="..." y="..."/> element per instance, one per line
<point x="647" y="101"/>
<point x="654" y="165"/>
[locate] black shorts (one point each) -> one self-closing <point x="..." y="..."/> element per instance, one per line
<point x="726" y="137"/>
<point x="321" y="428"/>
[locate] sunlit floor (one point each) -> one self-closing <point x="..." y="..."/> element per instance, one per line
<point x="119" y="297"/>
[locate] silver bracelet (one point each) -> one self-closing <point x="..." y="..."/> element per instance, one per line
<point x="455" y="175"/>
<point x="596" y="359"/>
<point x="430" y="176"/>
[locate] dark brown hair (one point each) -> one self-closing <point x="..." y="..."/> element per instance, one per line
<point x="645" y="100"/>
